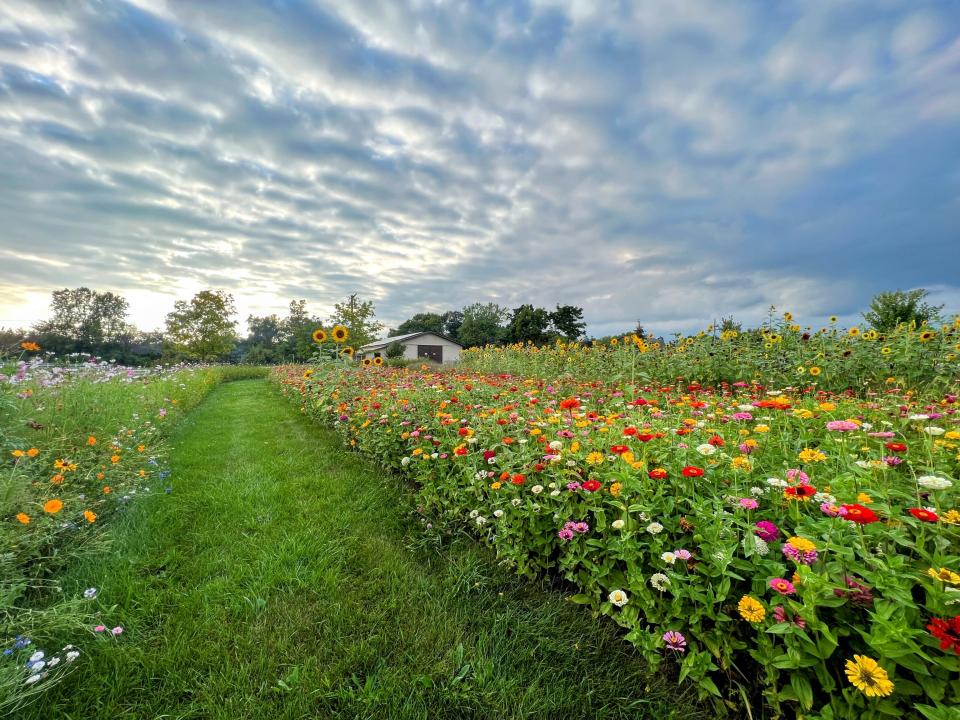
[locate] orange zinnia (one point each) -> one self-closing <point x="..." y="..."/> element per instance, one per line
<point x="89" y="515"/>
<point x="23" y="518"/>
<point x="52" y="506"/>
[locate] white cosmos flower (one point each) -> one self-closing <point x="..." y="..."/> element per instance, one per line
<point x="617" y="524"/>
<point x="706" y="449"/>
<point x="618" y="598"/>
<point x="932" y="482"/>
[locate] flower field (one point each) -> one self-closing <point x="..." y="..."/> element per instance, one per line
<point x="781" y="353"/>
<point x="796" y="550"/>
<point x="81" y="440"/>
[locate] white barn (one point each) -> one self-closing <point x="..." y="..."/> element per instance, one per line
<point x="418" y="345"/>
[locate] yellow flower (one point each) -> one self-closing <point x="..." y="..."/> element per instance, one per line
<point x="788" y="316"/>
<point x="945" y="574"/>
<point x="868" y="677"/>
<point x="951" y="517"/>
<point x="319" y="335"/>
<point x="927" y="336"/>
<point x="762" y="429"/>
<point x="811" y="455"/>
<point x="741" y="462"/>
<point x="615" y="489"/>
<point x="864" y="499"/>
<point x="751" y="610"/>
<point x="815" y="370"/>
<point x="496" y="485"/>
<point x="833" y="318"/>
<point x="595" y="458"/>
<point x="854" y="331"/>
<point x="801" y="544"/>
<point x="339" y="334"/>
<point x="827" y="406"/>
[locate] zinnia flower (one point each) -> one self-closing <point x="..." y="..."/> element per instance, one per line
<point x="618" y="598"/>
<point x="675" y="641"/>
<point x="691" y="471"/>
<point x="783" y="586"/>
<point x="859" y="514"/>
<point x="53" y="506"/>
<point x="947" y="631"/>
<point x="868" y="677"/>
<point x="767" y="530"/>
<point x="923" y="514"/>
<point x="751" y="610"/>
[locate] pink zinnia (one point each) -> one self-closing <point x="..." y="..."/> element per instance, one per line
<point x="767" y="530"/>
<point x="675" y="640"/>
<point x="565" y="534"/>
<point x="682" y="554"/>
<point x="783" y="586"/>
<point x="749" y="504"/>
<point x="798" y="475"/>
<point x="842" y="426"/>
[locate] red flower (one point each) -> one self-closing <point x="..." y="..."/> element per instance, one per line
<point x="569" y="404"/>
<point x="460" y="451"/>
<point x="619" y="449"/>
<point x="630" y="431"/>
<point x="539" y="467"/>
<point x="716" y="441"/>
<point x="859" y="514"/>
<point x="896" y="447"/>
<point x="645" y="438"/>
<point x="921" y="514"/>
<point x="463" y="432"/>
<point x="657" y="474"/>
<point x="800" y="491"/>
<point x="518" y="479"/>
<point x="691" y="471"/>
<point x="947" y="632"/>
<point x="591" y="485"/>
<point x="487" y="454"/>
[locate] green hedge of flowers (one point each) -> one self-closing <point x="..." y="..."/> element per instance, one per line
<point x="797" y="553"/>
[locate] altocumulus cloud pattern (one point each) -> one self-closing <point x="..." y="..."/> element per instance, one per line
<point x="647" y="160"/>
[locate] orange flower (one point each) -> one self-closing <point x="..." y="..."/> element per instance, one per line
<point x="106" y="489"/>
<point x="30" y="346"/>
<point x="141" y="448"/>
<point x="33" y="452"/>
<point x="91" y="440"/>
<point x="89" y="515"/>
<point x="57" y="479"/>
<point x="52" y="506"/>
<point x="23" y="518"/>
<point x="114" y="459"/>
<point x="18" y="453"/>
<point x="100" y="476"/>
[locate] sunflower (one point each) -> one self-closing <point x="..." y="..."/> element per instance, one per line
<point x="854" y="331"/>
<point x="339" y="334"/>
<point x="367" y="361"/>
<point x="927" y="336"/>
<point x="347" y="352"/>
<point x="788" y="316"/>
<point x="815" y="370"/>
<point x="378" y="360"/>
<point x="319" y="335"/>
<point x="833" y="318"/>
<point x="868" y="677"/>
<point x="886" y="350"/>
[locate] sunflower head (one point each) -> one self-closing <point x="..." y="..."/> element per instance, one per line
<point x="347" y="352"/>
<point x="339" y="334"/>
<point x="319" y="335"/>
<point x="378" y="360"/>
<point x="367" y="361"/>
<point x="854" y="331"/>
<point x="927" y="336"/>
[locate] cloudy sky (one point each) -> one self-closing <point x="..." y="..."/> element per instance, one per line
<point x="668" y="162"/>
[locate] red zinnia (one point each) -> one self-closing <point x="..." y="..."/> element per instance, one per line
<point x="691" y="471"/>
<point x="619" y="449"/>
<point x="645" y="438"/>
<point x="569" y="404"/>
<point x="463" y="432"/>
<point x="800" y="491"/>
<point x="921" y="514"/>
<point x="859" y="514"/>
<point x="591" y="485"/>
<point x="460" y="451"/>
<point x="947" y="632"/>
<point x="518" y="479"/>
<point x="487" y="454"/>
<point x="657" y="474"/>
<point x="896" y="447"/>
<point x="716" y="441"/>
<point x="630" y="431"/>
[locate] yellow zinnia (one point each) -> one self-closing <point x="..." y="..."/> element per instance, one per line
<point x="751" y="610"/>
<point x="868" y="677"/>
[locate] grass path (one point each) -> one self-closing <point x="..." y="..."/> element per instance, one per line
<point x="285" y="578"/>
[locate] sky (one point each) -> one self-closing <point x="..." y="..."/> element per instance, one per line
<point x="664" y="162"/>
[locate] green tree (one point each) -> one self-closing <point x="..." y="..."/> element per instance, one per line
<point x="482" y="324"/>
<point x="203" y="328"/>
<point x="568" y="321"/>
<point x="889" y="309"/>
<point x="421" y="322"/>
<point x="85" y="320"/>
<point x="528" y="324"/>
<point x="358" y="317"/>
<point x="298" y="328"/>
<point x="395" y="350"/>
<point x="452" y="320"/>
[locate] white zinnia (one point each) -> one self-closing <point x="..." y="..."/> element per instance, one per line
<point x="669" y="558"/>
<point x="618" y="598"/>
<point x="617" y="524"/>
<point x="536" y="489"/>
<point x="654" y="528"/>
<point x="933" y="430"/>
<point x="659" y="581"/>
<point x="706" y="449"/>
<point x="932" y="482"/>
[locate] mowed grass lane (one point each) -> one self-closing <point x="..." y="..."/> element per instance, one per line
<point x="285" y="578"/>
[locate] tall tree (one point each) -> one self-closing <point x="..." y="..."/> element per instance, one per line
<point x="528" y="324"/>
<point x="87" y="319"/>
<point x="203" y="328"/>
<point x="421" y="322"/>
<point x="568" y="321"/>
<point x="482" y="324"/>
<point x="889" y="309"/>
<point x="358" y="317"/>
<point x="452" y="320"/>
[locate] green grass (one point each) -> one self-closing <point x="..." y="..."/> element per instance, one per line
<point x="287" y="578"/>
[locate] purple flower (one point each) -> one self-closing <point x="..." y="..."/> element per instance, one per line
<point x="801" y="557"/>
<point x="742" y="416"/>
<point x="581" y="527"/>
<point x="682" y="554"/>
<point x="892" y="460"/>
<point x="565" y="534"/>
<point x="573" y="486"/>
<point x="842" y="426"/>
<point x="746" y="449"/>
<point x="675" y="640"/>
<point x="767" y="530"/>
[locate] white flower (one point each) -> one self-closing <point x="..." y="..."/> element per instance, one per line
<point x="53" y="662"/>
<point x="556" y="445"/>
<point x="866" y="426"/>
<point x="932" y="430"/>
<point x="761" y="545"/>
<point x="659" y="581"/>
<point x="90" y="593"/>
<point x="554" y="493"/>
<point x="776" y="482"/>
<point x="552" y="486"/>
<point x="536" y="489"/>
<point x="37" y="656"/>
<point x="36" y="666"/>
<point x="474" y="513"/>
<point x="642" y="516"/>
<point x="405" y="461"/>
<point x="822" y="497"/>
<point x="863" y="463"/>
<point x="919" y="417"/>
<point x="618" y="598"/>
<point x="932" y="482"/>
<point x="32" y="679"/>
<point x="654" y="528"/>
<point x="617" y="524"/>
<point x="516" y="502"/>
<point x="471" y="441"/>
<point x="492" y="461"/>
<point x="757" y="490"/>
<point x="774" y="392"/>
<point x="706" y="449"/>
<point x="72" y="655"/>
<point x="746" y="408"/>
<point x="669" y="558"/>
<point x="434" y="455"/>
<point x="571" y="463"/>
<point x="498" y="513"/>
<point x="480" y="520"/>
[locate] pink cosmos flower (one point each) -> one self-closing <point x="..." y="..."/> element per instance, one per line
<point x="100" y="628"/>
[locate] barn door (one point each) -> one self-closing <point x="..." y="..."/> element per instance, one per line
<point x="431" y="352"/>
